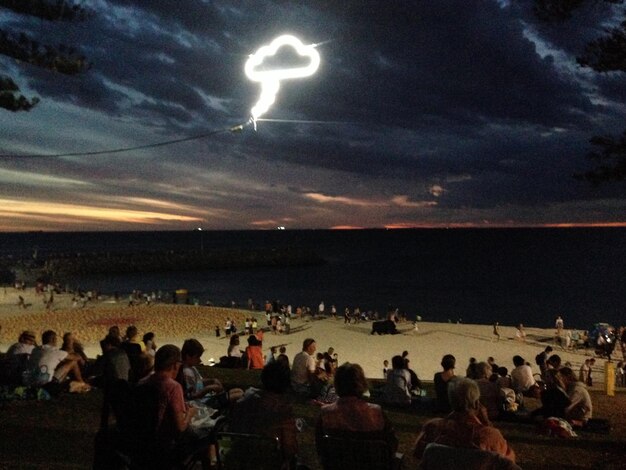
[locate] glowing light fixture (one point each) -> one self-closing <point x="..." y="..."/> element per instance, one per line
<point x="270" y="79"/>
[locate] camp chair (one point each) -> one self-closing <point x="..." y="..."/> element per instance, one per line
<point x="240" y="451"/>
<point x="134" y="438"/>
<point x="441" y="457"/>
<point x="341" y="453"/>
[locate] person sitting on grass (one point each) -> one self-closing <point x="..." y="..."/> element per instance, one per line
<point x="522" y="379"/>
<point x="161" y="418"/>
<point x="351" y="416"/>
<point x="466" y="427"/>
<point x="71" y="346"/>
<point x="50" y="364"/>
<point x="268" y="412"/>
<point x="441" y="379"/>
<point x="148" y="340"/>
<point x="25" y="344"/>
<point x="303" y="370"/>
<point x="553" y="363"/>
<point x="211" y="391"/>
<point x="489" y="391"/>
<point x="132" y="337"/>
<point x="580" y="409"/>
<point x="554" y="399"/>
<point x="397" y="389"/>
<point x="115" y="363"/>
<point x="16" y="359"/>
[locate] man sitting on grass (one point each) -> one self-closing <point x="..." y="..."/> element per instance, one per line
<point x="303" y="370"/>
<point x="50" y="364"/>
<point x="522" y="379"/>
<point x="162" y="418"/>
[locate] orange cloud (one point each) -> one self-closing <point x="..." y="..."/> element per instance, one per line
<point x="324" y="199"/>
<point x="403" y="201"/>
<point x="43" y="210"/>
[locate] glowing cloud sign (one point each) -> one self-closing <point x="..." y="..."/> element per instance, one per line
<point x="270" y="79"/>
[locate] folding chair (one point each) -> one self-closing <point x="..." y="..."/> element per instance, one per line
<point x="239" y="451"/>
<point x="440" y="457"/>
<point x="341" y="453"/>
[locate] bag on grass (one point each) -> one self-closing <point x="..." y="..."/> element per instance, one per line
<point x="557" y="427"/>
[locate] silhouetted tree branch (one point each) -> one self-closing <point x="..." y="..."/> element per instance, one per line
<point x="51" y="11"/>
<point x="605" y="54"/>
<point x="560" y="10"/>
<point x="19" y="46"/>
<point x="49" y="57"/>
<point x="610" y="158"/>
<point x="11" y="99"/>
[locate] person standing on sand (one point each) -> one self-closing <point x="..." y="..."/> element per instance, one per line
<point x="496" y="332"/>
<point x="520" y="334"/>
<point x="559" y="326"/>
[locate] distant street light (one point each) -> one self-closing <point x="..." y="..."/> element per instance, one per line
<point x="201" y="241"/>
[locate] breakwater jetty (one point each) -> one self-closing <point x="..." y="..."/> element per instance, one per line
<point x="60" y="266"/>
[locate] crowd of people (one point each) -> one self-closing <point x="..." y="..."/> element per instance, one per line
<point x="467" y="405"/>
<point x="562" y="392"/>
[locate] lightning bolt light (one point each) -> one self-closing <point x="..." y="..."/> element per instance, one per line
<point x="270" y="79"/>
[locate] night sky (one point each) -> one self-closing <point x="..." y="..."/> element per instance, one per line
<point x="422" y="114"/>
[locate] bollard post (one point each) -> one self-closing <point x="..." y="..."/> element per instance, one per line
<point x="609" y="378"/>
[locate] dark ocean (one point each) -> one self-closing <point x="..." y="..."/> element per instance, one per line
<point x="476" y="275"/>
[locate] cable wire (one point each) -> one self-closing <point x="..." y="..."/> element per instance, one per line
<point x="118" y="150"/>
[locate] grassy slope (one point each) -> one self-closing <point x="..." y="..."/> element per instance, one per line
<point x="59" y="434"/>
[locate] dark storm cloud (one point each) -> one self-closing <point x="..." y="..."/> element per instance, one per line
<point x="587" y="22"/>
<point x="462" y="96"/>
<point x="403" y="67"/>
<point x="387" y="62"/>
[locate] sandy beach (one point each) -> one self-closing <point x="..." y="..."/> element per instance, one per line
<point x="353" y="342"/>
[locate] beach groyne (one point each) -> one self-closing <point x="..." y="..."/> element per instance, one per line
<point x="57" y="267"/>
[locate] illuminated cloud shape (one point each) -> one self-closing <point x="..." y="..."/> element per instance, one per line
<point x="270" y="79"/>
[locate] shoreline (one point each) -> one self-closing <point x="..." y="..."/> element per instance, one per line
<point x="173" y="323"/>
